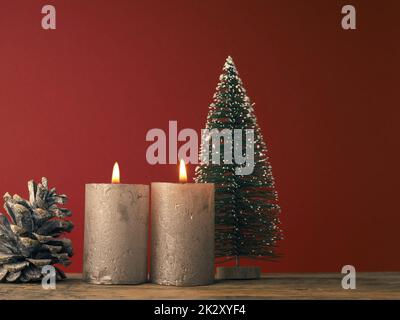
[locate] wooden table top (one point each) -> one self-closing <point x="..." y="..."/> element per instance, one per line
<point x="382" y="285"/>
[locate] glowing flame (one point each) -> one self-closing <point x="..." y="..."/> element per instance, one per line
<point x="182" y="172"/>
<point x="115" y="173"/>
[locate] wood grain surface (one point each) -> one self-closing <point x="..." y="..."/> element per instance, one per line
<point x="270" y="286"/>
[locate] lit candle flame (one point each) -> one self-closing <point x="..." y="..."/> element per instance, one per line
<point x="115" y="173"/>
<point x="182" y="172"/>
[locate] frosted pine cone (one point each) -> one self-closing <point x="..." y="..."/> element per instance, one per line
<point x="31" y="236"/>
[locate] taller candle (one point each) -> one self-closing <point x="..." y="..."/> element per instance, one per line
<point x="182" y="240"/>
<point x="116" y="232"/>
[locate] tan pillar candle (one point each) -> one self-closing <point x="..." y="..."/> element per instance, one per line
<point x="182" y="239"/>
<point x="116" y="232"/>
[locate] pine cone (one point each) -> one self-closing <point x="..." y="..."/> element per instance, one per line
<point x="30" y="238"/>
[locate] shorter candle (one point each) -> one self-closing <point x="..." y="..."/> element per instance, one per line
<point x="182" y="250"/>
<point x="116" y="232"/>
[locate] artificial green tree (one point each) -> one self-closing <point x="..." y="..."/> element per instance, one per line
<point x="246" y="208"/>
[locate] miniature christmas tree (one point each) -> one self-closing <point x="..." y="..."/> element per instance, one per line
<point x="31" y="236"/>
<point x="245" y="205"/>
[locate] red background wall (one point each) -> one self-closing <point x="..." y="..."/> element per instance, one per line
<point x="74" y="100"/>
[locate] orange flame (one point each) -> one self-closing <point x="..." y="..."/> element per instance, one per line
<point x="182" y="172"/>
<point x="115" y="173"/>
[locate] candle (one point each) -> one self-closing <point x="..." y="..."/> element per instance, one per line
<point x="182" y="242"/>
<point x="116" y="232"/>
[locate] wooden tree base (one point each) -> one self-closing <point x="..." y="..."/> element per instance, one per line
<point x="238" y="273"/>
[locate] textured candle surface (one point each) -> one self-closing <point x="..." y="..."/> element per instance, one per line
<point x="116" y="233"/>
<point x="182" y="252"/>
